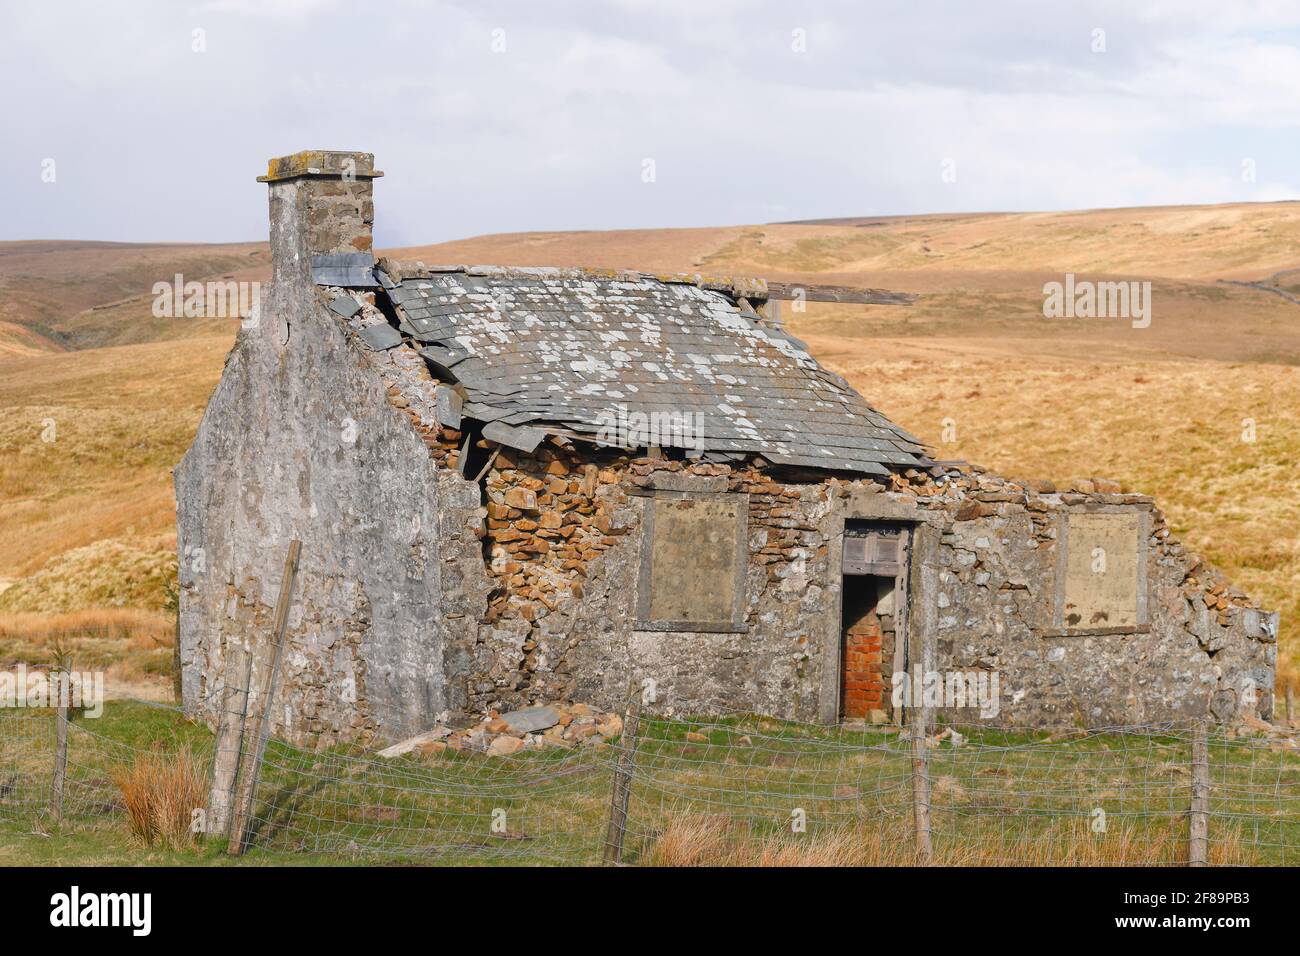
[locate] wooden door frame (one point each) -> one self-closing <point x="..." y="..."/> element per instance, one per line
<point x="832" y="704"/>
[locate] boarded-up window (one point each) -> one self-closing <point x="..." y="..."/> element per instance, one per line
<point x="1101" y="575"/>
<point x="874" y="550"/>
<point x="693" y="564"/>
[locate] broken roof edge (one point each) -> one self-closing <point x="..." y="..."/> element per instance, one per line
<point x="400" y="270"/>
<point x="528" y="435"/>
<point x="527" y="438"/>
<point x="753" y="288"/>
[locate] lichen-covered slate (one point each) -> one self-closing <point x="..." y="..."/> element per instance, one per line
<point x="572" y="351"/>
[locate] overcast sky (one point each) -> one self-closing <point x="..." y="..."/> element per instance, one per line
<point x="494" y="117"/>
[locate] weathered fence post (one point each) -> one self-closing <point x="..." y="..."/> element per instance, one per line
<point x="229" y="743"/>
<point x="1198" y="829"/>
<point x="624" y="765"/>
<point x="60" y="747"/>
<point x="921" y="785"/>
<point x="178" y="688"/>
<point x="1290" y="704"/>
<point x="249" y="772"/>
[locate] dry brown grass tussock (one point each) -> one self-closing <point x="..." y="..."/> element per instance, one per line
<point x="710" y="840"/>
<point x="160" y="792"/>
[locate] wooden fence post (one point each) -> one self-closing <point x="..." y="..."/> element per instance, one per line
<point x="1198" y="829"/>
<point x="921" y="785"/>
<point x="624" y="765"/>
<point x="178" y="688"/>
<point x="60" y="748"/>
<point x="250" y="771"/>
<point x="229" y="744"/>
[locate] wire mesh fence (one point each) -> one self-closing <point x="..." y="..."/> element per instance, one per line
<point x="754" y="790"/>
<point x="87" y="791"/>
<point x="465" y="807"/>
<point x="739" y="789"/>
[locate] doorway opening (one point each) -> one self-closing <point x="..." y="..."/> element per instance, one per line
<point x="871" y="619"/>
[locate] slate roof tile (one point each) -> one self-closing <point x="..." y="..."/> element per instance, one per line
<point x="568" y="351"/>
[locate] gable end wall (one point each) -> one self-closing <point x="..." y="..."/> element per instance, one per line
<point x="300" y="440"/>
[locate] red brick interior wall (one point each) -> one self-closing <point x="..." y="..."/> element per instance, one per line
<point x="862" y="671"/>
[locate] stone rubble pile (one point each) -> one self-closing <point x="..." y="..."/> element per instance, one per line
<point x="1281" y="734"/>
<point x="565" y="725"/>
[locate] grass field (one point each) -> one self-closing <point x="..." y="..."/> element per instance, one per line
<point x="717" y="792"/>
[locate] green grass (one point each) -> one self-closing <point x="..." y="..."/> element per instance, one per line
<point x="992" y="797"/>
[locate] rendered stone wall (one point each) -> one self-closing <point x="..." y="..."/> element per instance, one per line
<point x="299" y="440"/>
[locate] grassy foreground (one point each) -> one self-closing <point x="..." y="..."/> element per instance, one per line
<point x="743" y="790"/>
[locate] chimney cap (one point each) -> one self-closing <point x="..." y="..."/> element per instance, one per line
<point x="321" y="164"/>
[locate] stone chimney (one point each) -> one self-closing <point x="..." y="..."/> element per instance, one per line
<point x="322" y="210"/>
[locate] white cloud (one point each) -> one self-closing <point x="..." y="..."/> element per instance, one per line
<point x="155" y="141"/>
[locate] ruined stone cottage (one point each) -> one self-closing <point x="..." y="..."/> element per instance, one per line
<point x="520" y="485"/>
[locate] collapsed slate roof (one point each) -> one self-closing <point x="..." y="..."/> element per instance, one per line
<point x="578" y="352"/>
